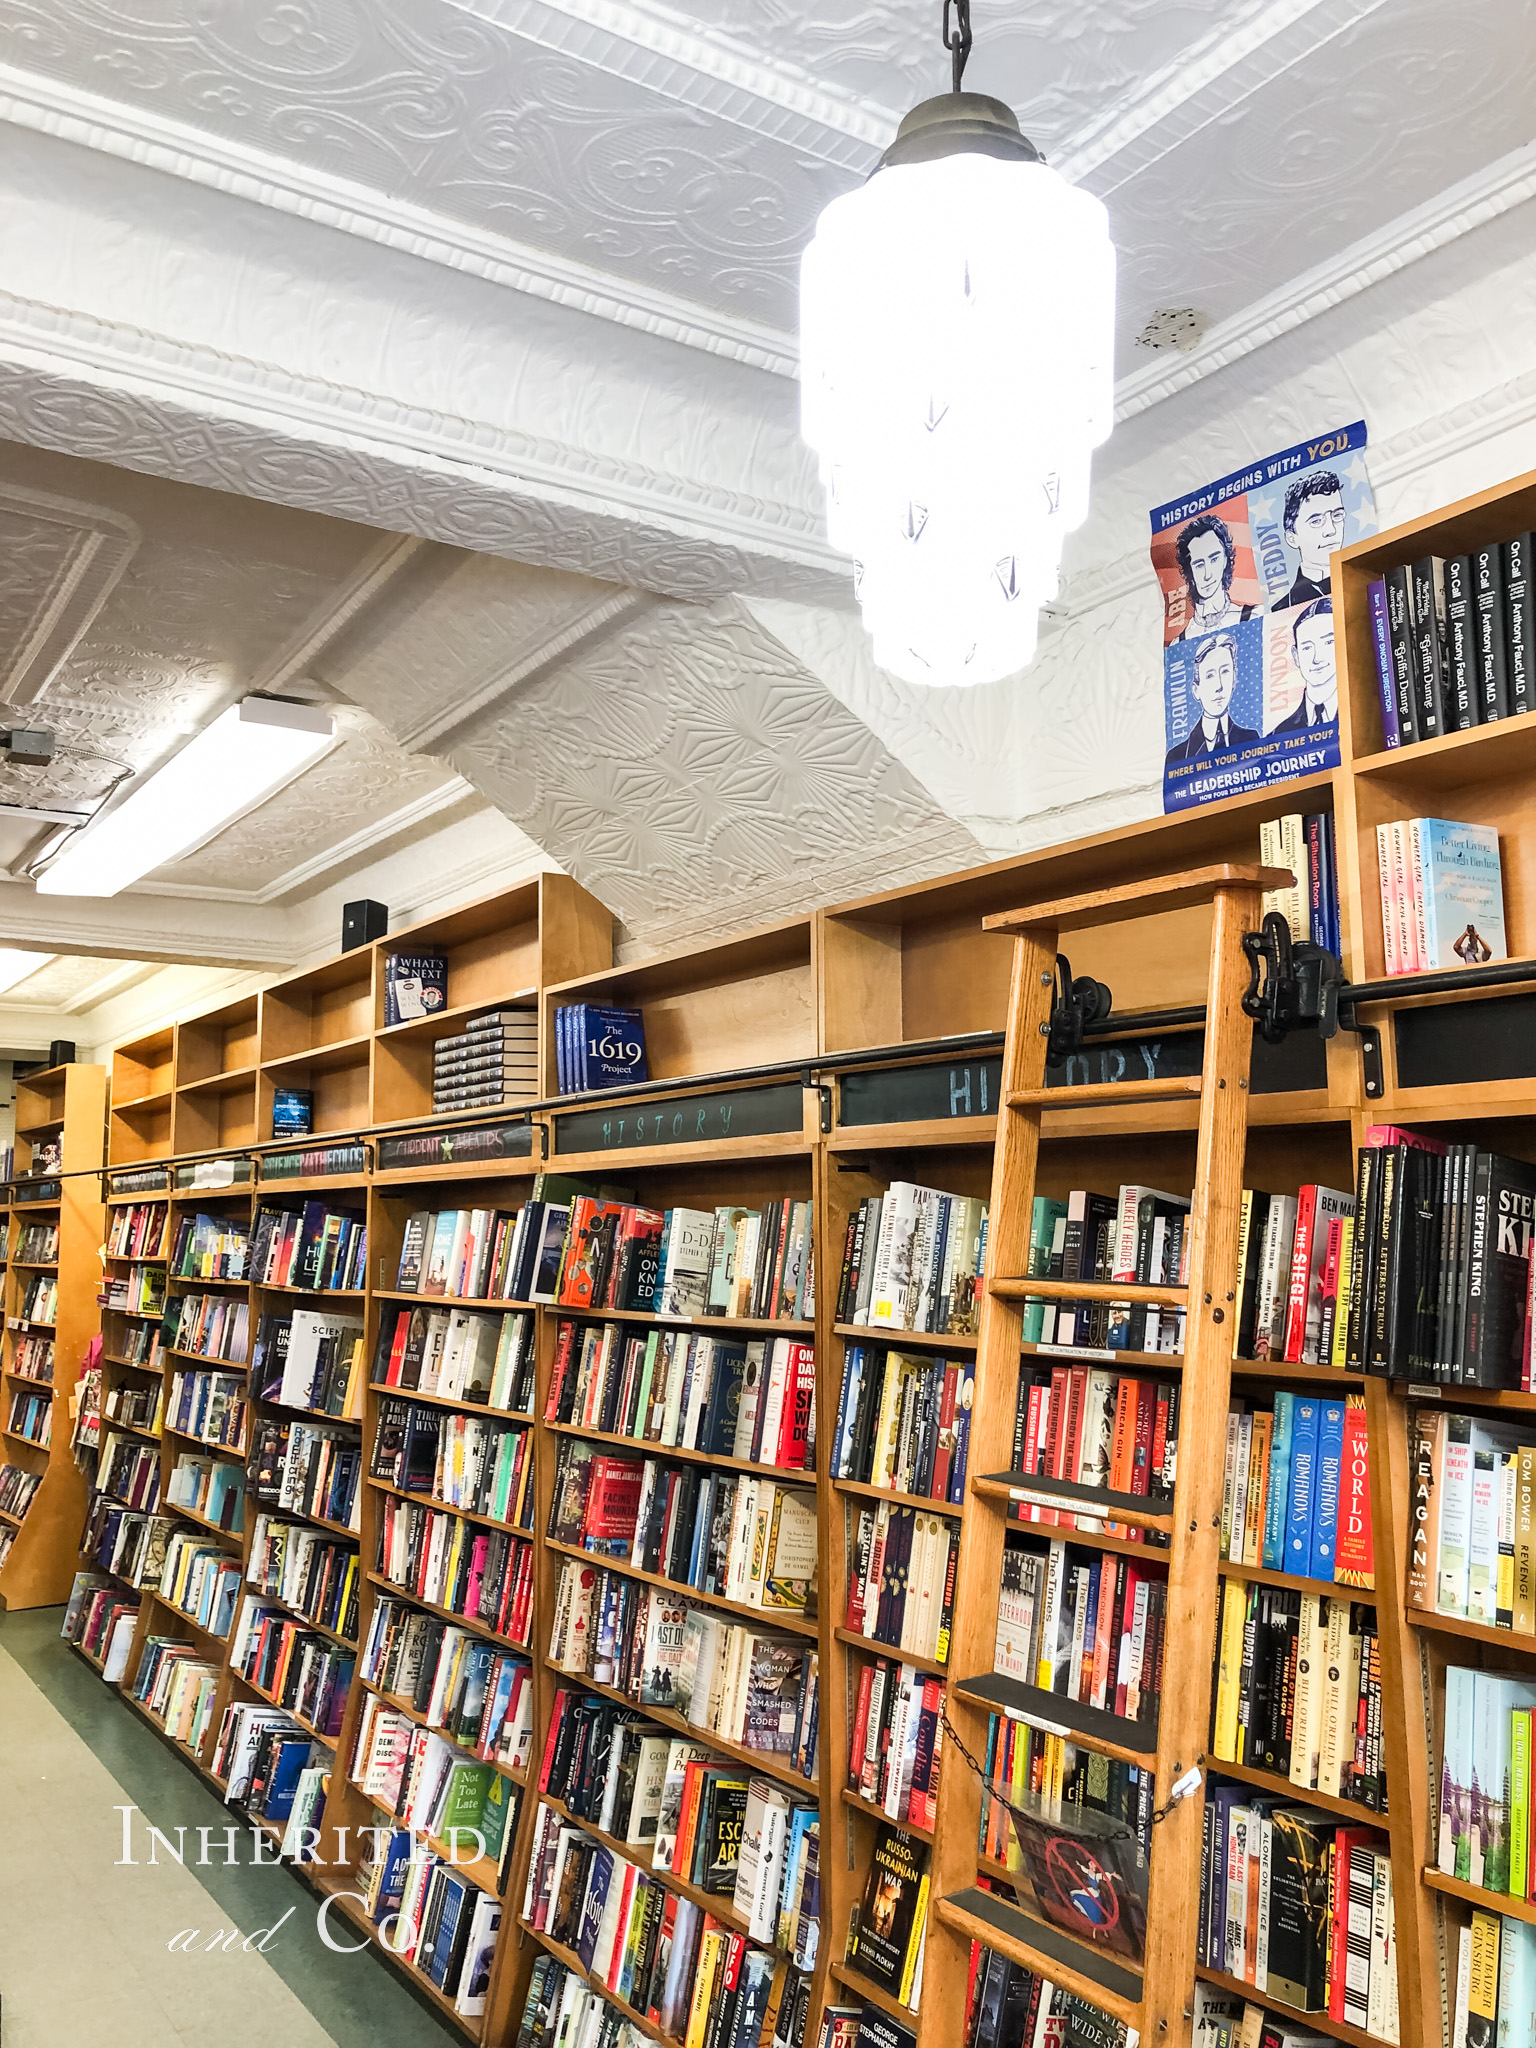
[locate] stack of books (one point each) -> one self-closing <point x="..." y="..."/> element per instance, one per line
<point x="1037" y="1773"/>
<point x="901" y="1579"/>
<point x="493" y="1060"/>
<point x="431" y="1914"/>
<point x="1093" y="1426"/>
<point x="731" y="1260"/>
<point x="904" y="1421"/>
<point x="210" y="1248"/>
<point x="137" y="1232"/>
<point x="1442" y="895"/>
<point x="100" y="1620"/>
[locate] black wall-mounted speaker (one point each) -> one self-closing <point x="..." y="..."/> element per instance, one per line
<point x="361" y="922"/>
<point x="61" y="1053"/>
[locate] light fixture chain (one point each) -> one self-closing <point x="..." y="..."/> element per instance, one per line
<point x="958" y="40"/>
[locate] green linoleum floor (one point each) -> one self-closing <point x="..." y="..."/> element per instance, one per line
<point x="84" y="1944"/>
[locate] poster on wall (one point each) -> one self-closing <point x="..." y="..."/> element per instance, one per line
<point x="1249" y="689"/>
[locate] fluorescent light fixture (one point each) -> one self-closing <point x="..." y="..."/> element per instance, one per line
<point x="16" y="966"/>
<point x="235" y="764"/>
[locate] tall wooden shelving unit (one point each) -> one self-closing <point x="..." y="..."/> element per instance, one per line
<point x="849" y="1018"/>
<point x="68" y="1105"/>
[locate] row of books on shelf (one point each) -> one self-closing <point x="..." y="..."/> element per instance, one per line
<point x="460" y="1461"/>
<point x="7" y="1539"/>
<point x="1137" y="1235"/>
<point x="1299" y="1904"/>
<point x="31" y="1417"/>
<point x="137" y="1407"/>
<point x="1291" y="1253"/>
<point x="690" y="1811"/>
<point x="127" y="1470"/>
<point x="273" y="1768"/>
<point x="479" y="1696"/>
<point x="137" y="1230"/>
<point x="138" y="1292"/>
<point x="1222" y="2021"/>
<point x="427" y="1784"/>
<point x="478" y="1254"/>
<point x="1310" y="906"/>
<point x="306" y="1468"/>
<point x="1092" y="1426"/>
<point x="315" y="1246"/>
<point x="685" y="1390"/>
<point x="1493" y="1995"/>
<point x="32" y="1356"/>
<point x="38" y="1244"/>
<point x="731" y="1535"/>
<point x="1296" y="1489"/>
<point x="1085" y="1624"/>
<point x="598" y="1045"/>
<point x="904" y="1421"/>
<point x="1472" y="1528"/>
<point x="484" y="1575"/>
<point x="753" y="1686"/>
<point x="210" y="1406"/>
<point x="300" y="1670"/>
<point x="1298" y="1691"/>
<point x="128" y="1542"/>
<point x="431" y="1916"/>
<point x="17" y="1488"/>
<point x="1453" y="639"/>
<point x="902" y="1564"/>
<point x="1442" y="895"/>
<point x="176" y="1685"/>
<point x="210" y="1247"/>
<point x="138" y="1344"/>
<point x="732" y="1260"/>
<point x="749" y="2002"/>
<point x="200" y="1580"/>
<point x="897" y="1740"/>
<point x="311" y="1572"/>
<point x="1484" y="1835"/>
<point x="100" y="1618"/>
<point x="40" y="1302"/>
<point x="459" y="1355"/>
<point x="209" y="1326"/>
<point x="1440" y="1274"/>
<point x="310" y="1359"/>
<point x="210" y="1487"/>
<point x="1008" y="2006"/>
<point x="912" y="1260"/>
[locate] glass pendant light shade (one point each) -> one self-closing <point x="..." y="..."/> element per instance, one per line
<point x="957" y="371"/>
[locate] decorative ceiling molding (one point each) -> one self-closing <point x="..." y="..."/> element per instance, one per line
<point x="88" y="387"/>
<point x="699" y="66"/>
<point x="1483" y="197"/>
<point x="368" y="581"/>
<point x="139" y="928"/>
<point x="114" y="128"/>
<point x="59" y="561"/>
<point x="580" y="636"/>
<point x="405" y="819"/>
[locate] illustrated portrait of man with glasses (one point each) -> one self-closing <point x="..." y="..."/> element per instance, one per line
<point x="1314" y="526"/>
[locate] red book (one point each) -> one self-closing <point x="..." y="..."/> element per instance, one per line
<point x="1039" y="1399"/>
<point x="1301" y="1267"/>
<point x="1122" y="1645"/>
<point x="613" y="1498"/>
<point x="1354" y="1553"/>
<point x="785" y="1210"/>
<point x="1122" y="1448"/>
<point x="1141" y="1447"/>
<point x="1344" y="1840"/>
<point x="939" y="1489"/>
<point x="1077" y="1397"/>
<point x="860" y="1722"/>
<point x="796" y="1451"/>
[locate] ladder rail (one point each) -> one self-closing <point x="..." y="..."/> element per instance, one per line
<point x="1167" y="1970"/>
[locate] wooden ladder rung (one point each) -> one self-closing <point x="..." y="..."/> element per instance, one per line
<point x="1088" y="1290"/>
<point x="1175" y="1090"/>
<point x="1049" y="1951"/>
<point x="1137" y="899"/>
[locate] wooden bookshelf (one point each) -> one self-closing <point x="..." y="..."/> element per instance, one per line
<point x="60" y="1116"/>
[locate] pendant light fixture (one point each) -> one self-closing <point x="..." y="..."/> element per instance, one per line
<point x="957" y="371"/>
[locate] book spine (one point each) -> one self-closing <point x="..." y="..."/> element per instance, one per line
<point x="1386" y="679"/>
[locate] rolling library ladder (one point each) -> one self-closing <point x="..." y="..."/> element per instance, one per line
<point x="1155" y="1998"/>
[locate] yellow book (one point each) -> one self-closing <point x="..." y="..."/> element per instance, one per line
<point x="1483" y="1989"/>
<point x="914" y="1942"/>
<point x="1339" y="1354"/>
<point x="1258" y="1489"/>
<point x="1229" y="1669"/>
<point x="709" y="1963"/>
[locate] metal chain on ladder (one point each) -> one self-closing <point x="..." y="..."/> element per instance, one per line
<point x="1183" y="1786"/>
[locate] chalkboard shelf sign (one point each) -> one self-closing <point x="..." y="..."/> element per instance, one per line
<point x="478" y="1145"/>
<point x="937" y="1091"/>
<point x="685" y="1120"/>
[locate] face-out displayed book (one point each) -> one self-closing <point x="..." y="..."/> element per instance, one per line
<point x="886" y="1940"/>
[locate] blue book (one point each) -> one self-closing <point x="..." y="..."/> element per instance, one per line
<point x="292" y="1756"/>
<point x="1298" y="1524"/>
<point x="1277" y="1503"/>
<point x="1463" y="890"/>
<point x="611" y="1047"/>
<point x="717" y="1427"/>
<point x="703" y="1515"/>
<point x="397" y="1856"/>
<point x="592" y="1906"/>
<point x="757" y="1967"/>
<point x="847" y="1409"/>
<point x="1517" y="1985"/>
<point x="449" y="1934"/>
<point x="1325" y="1487"/>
